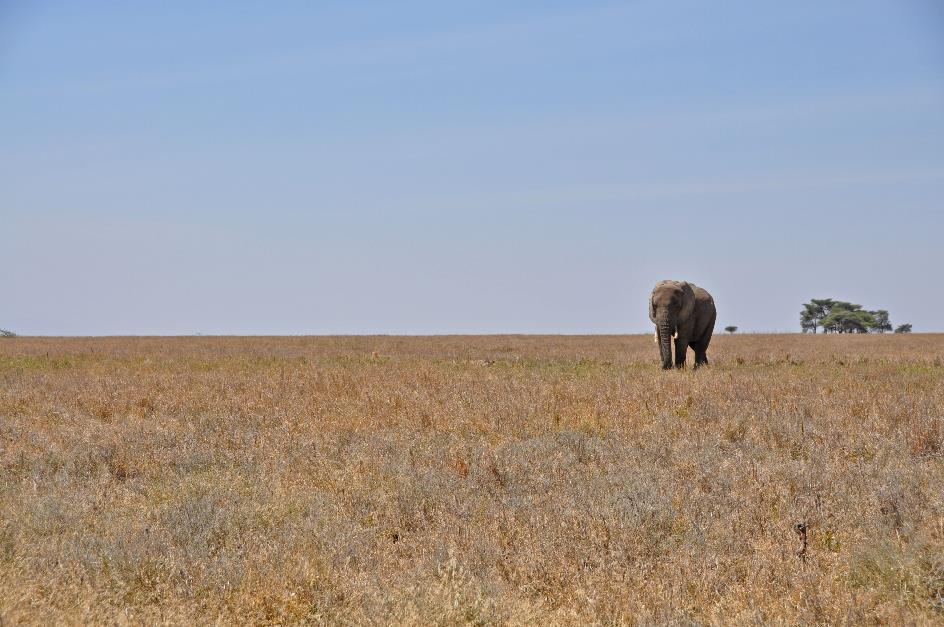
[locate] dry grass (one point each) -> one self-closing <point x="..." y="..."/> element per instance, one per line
<point x="521" y="480"/>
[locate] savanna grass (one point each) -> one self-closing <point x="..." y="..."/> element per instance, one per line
<point x="471" y="480"/>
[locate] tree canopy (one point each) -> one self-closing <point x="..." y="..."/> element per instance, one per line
<point x="839" y="316"/>
<point x="882" y="323"/>
<point x="813" y="313"/>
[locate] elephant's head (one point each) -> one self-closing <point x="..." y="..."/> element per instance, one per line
<point x="671" y="304"/>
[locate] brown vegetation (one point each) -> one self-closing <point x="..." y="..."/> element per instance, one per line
<point x="509" y="479"/>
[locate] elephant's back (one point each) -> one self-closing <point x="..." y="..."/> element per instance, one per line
<point x="702" y="294"/>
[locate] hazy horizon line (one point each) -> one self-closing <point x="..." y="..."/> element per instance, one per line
<point x="467" y="334"/>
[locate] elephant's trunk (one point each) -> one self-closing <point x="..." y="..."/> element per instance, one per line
<point x="665" y="327"/>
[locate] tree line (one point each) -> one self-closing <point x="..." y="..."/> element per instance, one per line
<point x="838" y="316"/>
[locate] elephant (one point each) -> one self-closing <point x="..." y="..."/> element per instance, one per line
<point x="683" y="311"/>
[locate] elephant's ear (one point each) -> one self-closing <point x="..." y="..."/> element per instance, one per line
<point x="652" y="309"/>
<point x="688" y="300"/>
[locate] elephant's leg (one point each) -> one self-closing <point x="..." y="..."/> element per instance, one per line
<point x="701" y="349"/>
<point x="681" y="348"/>
<point x="700" y="356"/>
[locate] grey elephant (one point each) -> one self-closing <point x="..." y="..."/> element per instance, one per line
<point x="686" y="312"/>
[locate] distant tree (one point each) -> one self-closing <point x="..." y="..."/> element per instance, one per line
<point x="847" y="318"/>
<point x="813" y="312"/>
<point x="5" y="333"/>
<point x="882" y="323"/>
<point x="807" y="323"/>
<point x="839" y="316"/>
<point x="903" y="328"/>
<point x="731" y="329"/>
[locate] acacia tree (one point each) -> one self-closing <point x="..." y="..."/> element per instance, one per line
<point x="903" y="328"/>
<point x="847" y="318"/>
<point x="839" y="316"/>
<point x="813" y="312"/>
<point x="882" y="323"/>
<point x="731" y="329"/>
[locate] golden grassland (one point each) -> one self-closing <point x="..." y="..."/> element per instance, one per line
<point x="471" y="480"/>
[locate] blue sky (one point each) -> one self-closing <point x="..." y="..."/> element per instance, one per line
<point x="454" y="167"/>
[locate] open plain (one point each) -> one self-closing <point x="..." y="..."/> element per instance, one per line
<point x="471" y="480"/>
